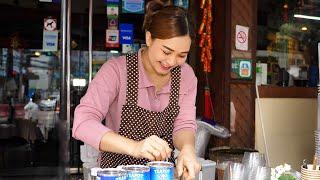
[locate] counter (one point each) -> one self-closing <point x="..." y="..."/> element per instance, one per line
<point x="289" y="117"/>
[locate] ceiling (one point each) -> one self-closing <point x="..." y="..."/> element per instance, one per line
<point x="25" y="17"/>
<point x="78" y="6"/>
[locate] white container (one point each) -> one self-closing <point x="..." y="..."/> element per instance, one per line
<point x="94" y="172"/>
<point x="88" y="154"/>
<point x="86" y="169"/>
<point x="208" y="169"/>
<point x="204" y="132"/>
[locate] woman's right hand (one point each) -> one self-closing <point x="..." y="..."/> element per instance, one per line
<point x="152" y="148"/>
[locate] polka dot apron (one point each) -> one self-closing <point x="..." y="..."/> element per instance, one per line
<point x="138" y="123"/>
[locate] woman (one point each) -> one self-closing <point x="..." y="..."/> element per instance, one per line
<point x="148" y="99"/>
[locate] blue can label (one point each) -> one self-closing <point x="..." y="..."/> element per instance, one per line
<point x="113" y="178"/>
<point x="112" y="174"/>
<point x="138" y="176"/>
<point x="137" y="172"/>
<point x="161" y="173"/>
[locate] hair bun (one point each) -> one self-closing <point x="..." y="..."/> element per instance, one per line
<point x="152" y="8"/>
<point x="155" y="5"/>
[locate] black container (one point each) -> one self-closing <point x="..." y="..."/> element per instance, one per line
<point x="301" y="83"/>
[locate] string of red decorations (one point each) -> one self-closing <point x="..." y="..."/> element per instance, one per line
<point x="204" y="31"/>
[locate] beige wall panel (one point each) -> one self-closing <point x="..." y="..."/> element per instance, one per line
<point x="289" y="125"/>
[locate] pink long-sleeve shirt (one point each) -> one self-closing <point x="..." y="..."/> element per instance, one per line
<point x="106" y="95"/>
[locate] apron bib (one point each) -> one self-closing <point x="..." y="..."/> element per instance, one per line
<point x="138" y="123"/>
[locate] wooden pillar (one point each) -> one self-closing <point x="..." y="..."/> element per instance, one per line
<point x="228" y="14"/>
<point x="242" y="92"/>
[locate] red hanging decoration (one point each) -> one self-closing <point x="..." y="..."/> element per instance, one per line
<point x="206" y="56"/>
<point x="208" y="106"/>
<point x="205" y="35"/>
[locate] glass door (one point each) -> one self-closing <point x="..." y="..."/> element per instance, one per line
<point x="96" y="37"/>
<point x="30" y="78"/>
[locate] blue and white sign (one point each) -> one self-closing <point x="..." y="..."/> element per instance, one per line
<point x="133" y="6"/>
<point x="126" y="33"/>
<point x="182" y="3"/>
<point x="112" y="11"/>
<point x="245" y="69"/>
<point x="16" y="57"/>
<point x="111" y="1"/>
<point x="3" y="62"/>
<point x="50" y="40"/>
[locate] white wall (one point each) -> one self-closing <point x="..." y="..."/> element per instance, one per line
<point x="289" y="127"/>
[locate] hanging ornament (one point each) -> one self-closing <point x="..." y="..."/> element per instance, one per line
<point x="205" y="44"/>
<point x="204" y="31"/>
<point x="208" y="107"/>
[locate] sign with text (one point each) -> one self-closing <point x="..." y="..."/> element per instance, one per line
<point x="112" y="38"/>
<point x="133" y="6"/>
<point x="112" y="23"/>
<point x="182" y="3"/>
<point x="126" y="33"/>
<point x="50" y="40"/>
<point x="111" y="1"/>
<point x="241" y="69"/>
<point x="112" y="11"/>
<point x="242" y="36"/>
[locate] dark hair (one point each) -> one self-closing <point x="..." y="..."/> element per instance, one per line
<point x="164" y="20"/>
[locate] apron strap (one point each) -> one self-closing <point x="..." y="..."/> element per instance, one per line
<point x="175" y="86"/>
<point x="132" y="79"/>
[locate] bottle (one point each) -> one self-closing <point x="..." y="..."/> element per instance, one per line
<point x="94" y="172"/>
<point x="258" y="74"/>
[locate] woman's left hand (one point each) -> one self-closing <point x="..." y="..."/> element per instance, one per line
<point x="187" y="164"/>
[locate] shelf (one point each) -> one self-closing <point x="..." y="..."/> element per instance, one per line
<point x="287" y="92"/>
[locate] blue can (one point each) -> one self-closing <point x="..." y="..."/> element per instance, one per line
<point x="112" y="174"/>
<point x="137" y="172"/>
<point x="161" y="170"/>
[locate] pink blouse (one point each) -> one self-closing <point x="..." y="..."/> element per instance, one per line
<point x="106" y="95"/>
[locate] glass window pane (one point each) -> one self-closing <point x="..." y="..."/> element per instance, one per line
<point x="288" y="37"/>
<point x="30" y="89"/>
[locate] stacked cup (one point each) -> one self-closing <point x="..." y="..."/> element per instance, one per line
<point x="259" y="173"/>
<point x="235" y="171"/>
<point x="256" y="166"/>
<point x="317" y="144"/>
<point x="254" y="159"/>
<point x="309" y="173"/>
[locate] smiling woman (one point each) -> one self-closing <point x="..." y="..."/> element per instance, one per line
<point x="163" y="55"/>
<point x="147" y="98"/>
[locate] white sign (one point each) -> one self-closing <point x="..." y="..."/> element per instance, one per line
<point x="126" y="48"/>
<point x="112" y="38"/>
<point x="79" y="82"/>
<point x="16" y="60"/>
<point x="50" y="24"/>
<point x="50" y="40"/>
<point x="242" y="34"/>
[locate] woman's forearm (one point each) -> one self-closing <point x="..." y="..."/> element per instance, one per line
<point x="113" y="142"/>
<point x="152" y="148"/>
<point x="184" y="139"/>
